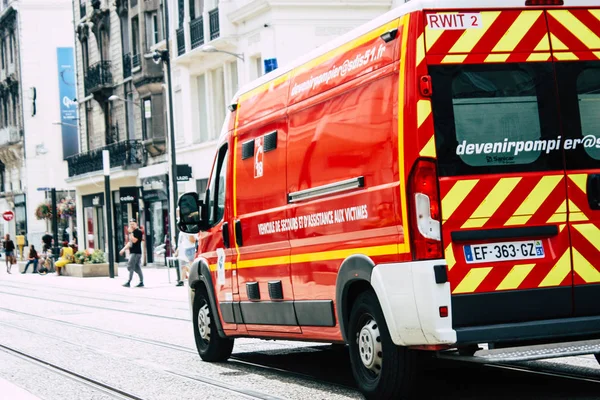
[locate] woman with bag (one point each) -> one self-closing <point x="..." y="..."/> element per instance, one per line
<point x="9" y="249"/>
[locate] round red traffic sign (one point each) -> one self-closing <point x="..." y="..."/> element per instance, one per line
<point x="8" y="215"/>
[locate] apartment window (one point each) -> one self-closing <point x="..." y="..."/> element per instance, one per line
<point x="181" y="11"/>
<point x="147" y="119"/>
<point x="219" y="103"/>
<point x="103" y="45"/>
<point x="3" y="53"/>
<point x="135" y="36"/>
<point x="130" y="115"/>
<point x="202" y="109"/>
<point x="12" y="46"/>
<point x="196" y="9"/>
<point x="89" y="121"/>
<point x="85" y="54"/>
<point x="233" y="80"/>
<point x="14" y="109"/>
<point x="153" y="29"/>
<point x="257" y="68"/>
<point x="179" y="137"/>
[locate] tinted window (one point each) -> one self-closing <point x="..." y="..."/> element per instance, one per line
<point x="495" y="118"/>
<point x="216" y="200"/>
<point x="579" y="87"/>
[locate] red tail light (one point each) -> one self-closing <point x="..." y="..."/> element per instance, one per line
<point x="424" y="209"/>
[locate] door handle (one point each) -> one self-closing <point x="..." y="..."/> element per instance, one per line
<point x="593" y="191"/>
<point x="225" y="231"/>
<point x="238" y="233"/>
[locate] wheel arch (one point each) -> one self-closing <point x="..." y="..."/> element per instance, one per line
<point x="354" y="277"/>
<point x="199" y="277"/>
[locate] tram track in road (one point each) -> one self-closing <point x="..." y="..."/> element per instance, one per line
<point x="236" y="360"/>
<point x="116" y="392"/>
<point x="98" y="307"/>
<point x="242" y="360"/>
<point x="72" y="375"/>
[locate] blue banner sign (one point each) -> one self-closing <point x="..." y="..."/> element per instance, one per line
<point x="68" y="106"/>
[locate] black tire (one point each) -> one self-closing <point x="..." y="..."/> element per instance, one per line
<point x="210" y="345"/>
<point x="397" y="372"/>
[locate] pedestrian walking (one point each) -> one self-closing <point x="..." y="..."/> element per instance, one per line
<point x="135" y="253"/>
<point x="32" y="259"/>
<point x="9" y="252"/>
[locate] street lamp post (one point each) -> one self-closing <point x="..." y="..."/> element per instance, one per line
<point x="108" y="203"/>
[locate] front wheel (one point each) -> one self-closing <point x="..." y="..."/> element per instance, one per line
<point x="381" y="369"/>
<point x="210" y="345"/>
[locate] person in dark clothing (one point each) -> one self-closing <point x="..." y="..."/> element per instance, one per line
<point x="47" y="240"/>
<point x="9" y="252"/>
<point x="32" y="259"/>
<point x="135" y="253"/>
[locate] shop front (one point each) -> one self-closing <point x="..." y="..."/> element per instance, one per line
<point x="93" y="219"/>
<point x="155" y="192"/>
<point x="125" y="207"/>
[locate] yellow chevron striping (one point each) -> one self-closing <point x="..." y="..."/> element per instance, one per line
<point x="496" y="197"/>
<point x="577" y="28"/>
<point x="597" y="54"/>
<point x="559" y="272"/>
<point x="515" y="277"/>
<point x="420" y="49"/>
<point x="584" y="268"/>
<point x="423" y="111"/>
<point x="497" y="58"/>
<point x="492" y="202"/>
<point x="517" y="31"/>
<point x="560" y="215"/>
<point x="471" y="282"/>
<point x="450" y="259"/>
<point x="455" y="196"/>
<point x="454" y="59"/>
<point x="595" y="13"/>
<point x="565" y="56"/>
<point x="538" y="57"/>
<point x="429" y="149"/>
<point x="590" y="232"/>
<point x="432" y="36"/>
<point x="536" y="198"/>
<point x="471" y="37"/>
<point x="561" y="227"/>
<point x="580" y="180"/>
<point x="557" y="45"/>
<point x="543" y="45"/>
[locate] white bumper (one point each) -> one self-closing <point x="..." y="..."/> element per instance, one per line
<point x="410" y="299"/>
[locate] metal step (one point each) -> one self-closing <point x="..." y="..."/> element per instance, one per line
<point x="526" y="353"/>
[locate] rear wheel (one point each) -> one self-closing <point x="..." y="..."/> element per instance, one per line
<point x="381" y="369"/>
<point x="210" y="345"/>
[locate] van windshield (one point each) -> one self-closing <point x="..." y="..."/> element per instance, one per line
<point x="495" y="118"/>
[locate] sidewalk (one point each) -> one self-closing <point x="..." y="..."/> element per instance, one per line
<point x="9" y="391"/>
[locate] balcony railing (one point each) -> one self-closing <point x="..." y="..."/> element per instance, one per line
<point x="9" y="135"/>
<point x="126" y="65"/>
<point x="213" y="19"/>
<point x="180" y="42"/>
<point x="135" y="60"/>
<point x="82" y="8"/>
<point x="122" y="154"/>
<point x="98" y="76"/>
<point x="197" y="32"/>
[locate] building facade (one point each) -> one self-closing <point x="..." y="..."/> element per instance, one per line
<point x="121" y="107"/>
<point x="218" y="46"/>
<point x="33" y="104"/>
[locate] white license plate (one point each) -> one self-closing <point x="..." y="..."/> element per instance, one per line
<point x="506" y="251"/>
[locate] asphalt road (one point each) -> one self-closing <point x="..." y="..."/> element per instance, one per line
<point x="141" y="342"/>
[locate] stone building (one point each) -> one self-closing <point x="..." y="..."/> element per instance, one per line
<point x="121" y="109"/>
<point x="33" y="102"/>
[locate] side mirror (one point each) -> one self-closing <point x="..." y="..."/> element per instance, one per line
<point x="189" y="210"/>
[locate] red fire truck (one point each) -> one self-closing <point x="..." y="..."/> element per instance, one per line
<point x="427" y="182"/>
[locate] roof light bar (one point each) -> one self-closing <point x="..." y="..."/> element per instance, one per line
<point x="544" y="2"/>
